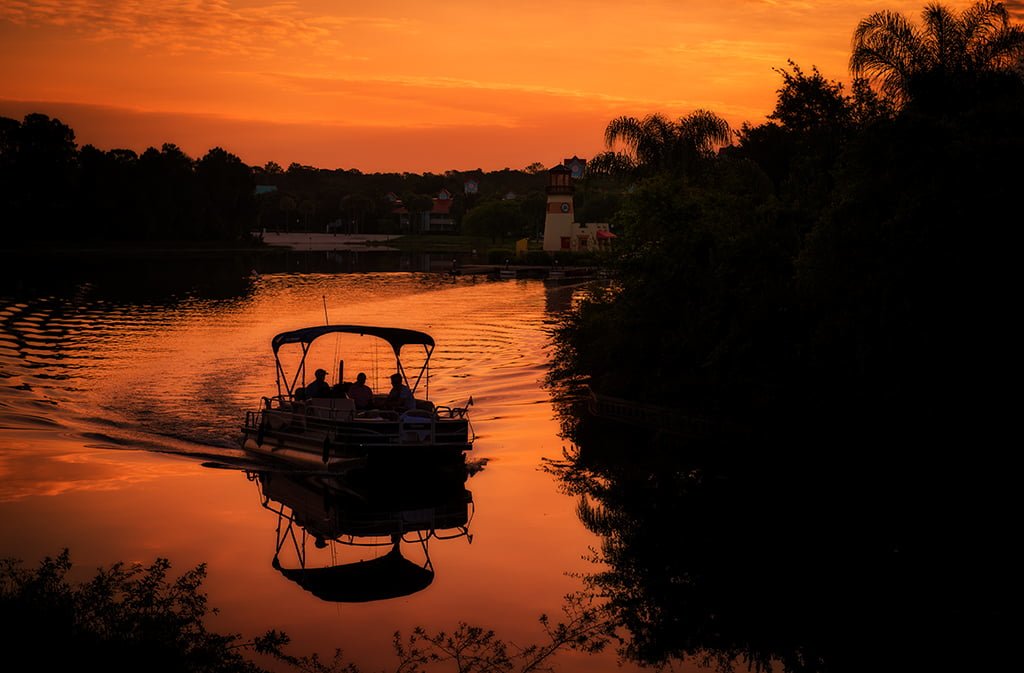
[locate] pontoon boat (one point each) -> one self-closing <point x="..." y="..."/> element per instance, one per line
<point x="330" y="431"/>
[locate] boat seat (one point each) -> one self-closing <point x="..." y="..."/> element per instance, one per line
<point x="333" y="408"/>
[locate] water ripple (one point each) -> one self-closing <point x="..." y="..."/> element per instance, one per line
<point x="188" y="370"/>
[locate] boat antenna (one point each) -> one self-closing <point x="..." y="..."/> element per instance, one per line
<point x="326" y="321"/>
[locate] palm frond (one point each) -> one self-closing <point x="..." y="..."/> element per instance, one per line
<point x="703" y="130"/>
<point x="990" y="42"/>
<point x="941" y="41"/>
<point x="611" y="164"/>
<point x="622" y="129"/>
<point x="1003" y="51"/>
<point x="892" y="53"/>
<point x="886" y="50"/>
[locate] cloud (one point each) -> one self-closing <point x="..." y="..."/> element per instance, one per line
<point x="460" y="90"/>
<point x="451" y="102"/>
<point x="210" y="26"/>
<point x="749" y="51"/>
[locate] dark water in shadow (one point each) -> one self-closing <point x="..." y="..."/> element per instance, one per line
<point x="818" y="548"/>
<point x="141" y="276"/>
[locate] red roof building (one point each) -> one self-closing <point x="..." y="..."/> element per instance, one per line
<point x="438" y="219"/>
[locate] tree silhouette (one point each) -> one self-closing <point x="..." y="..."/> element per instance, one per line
<point x="287" y="205"/>
<point x="357" y="208"/>
<point x="37" y="175"/>
<point x="169" y="189"/>
<point x="657" y="143"/>
<point x="496" y="219"/>
<point x="225" y="190"/>
<point x="947" y="56"/>
<point x="131" y="617"/>
<point x="417" y="205"/>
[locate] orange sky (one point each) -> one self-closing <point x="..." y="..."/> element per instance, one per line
<point x="403" y="85"/>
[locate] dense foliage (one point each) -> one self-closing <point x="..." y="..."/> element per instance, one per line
<point x="832" y="297"/>
<point x="850" y="254"/>
<point x="53" y="191"/>
<point x="949" y="56"/>
<point x="135" y="617"/>
<point x="50" y="190"/>
<point x="127" y="618"/>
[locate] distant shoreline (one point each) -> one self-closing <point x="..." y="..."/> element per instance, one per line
<point x="329" y="242"/>
<point x="269" y="242"/>
<point x="122" y="247"/>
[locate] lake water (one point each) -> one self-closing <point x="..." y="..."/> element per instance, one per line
<point x="121" y="382"/>
<point x="124" y="381"/>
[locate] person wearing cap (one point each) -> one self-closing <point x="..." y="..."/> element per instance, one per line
<point x="319" y="387"/>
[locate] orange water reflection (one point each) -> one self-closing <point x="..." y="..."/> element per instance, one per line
<point x="108" y="410"/>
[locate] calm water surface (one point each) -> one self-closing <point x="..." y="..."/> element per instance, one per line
<point x="114" y="404"/>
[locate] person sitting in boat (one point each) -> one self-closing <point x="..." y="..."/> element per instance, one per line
<point x="400" y="397"/>
<point x="360" y="393"/>
<point x="319" y="387"/>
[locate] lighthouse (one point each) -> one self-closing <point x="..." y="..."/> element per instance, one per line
<point x="559" y="220"/>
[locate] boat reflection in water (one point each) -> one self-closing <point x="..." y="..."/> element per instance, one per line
<point x="324" y="517"/>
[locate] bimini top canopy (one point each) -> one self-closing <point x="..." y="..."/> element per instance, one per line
<point x="381" y="578"/>
<point x="395" y="336"/>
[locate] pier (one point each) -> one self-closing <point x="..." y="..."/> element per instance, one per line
<point x="514" y="271"/>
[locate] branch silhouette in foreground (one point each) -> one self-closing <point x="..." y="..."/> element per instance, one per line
<point x="132" y="617"/>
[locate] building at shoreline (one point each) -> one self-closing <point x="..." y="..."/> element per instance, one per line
<point x="561" y="230"/>
<point x="438" y="219"/>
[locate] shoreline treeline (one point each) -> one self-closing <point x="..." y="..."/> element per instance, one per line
<point x="826" y="312"/>
<point x="52" y="190"/>
<point x="850" y="257"/>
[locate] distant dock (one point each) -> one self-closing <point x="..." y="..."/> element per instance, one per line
<point x="514" y="271"/>
<point x="316" y="242"/>
<point x="326" y="242"/>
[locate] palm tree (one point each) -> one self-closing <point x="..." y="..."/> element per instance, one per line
<point x="949" y="50"/>
<point x="657" y="143"/>
<point x="287" y="204"/>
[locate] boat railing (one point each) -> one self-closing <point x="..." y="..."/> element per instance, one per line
<point x="426" y="424"/>
<point x="281" y="400"/>
<point x="443" y="411"/>
<point x="417" y="425"/>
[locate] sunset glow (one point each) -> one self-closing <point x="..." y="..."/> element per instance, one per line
<point x="405" y="86"/>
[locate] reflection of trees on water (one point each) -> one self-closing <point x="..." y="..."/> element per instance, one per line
<point x="813" y="556"/>
<point x="132" y="277"/>
<point x="155" y="276"/>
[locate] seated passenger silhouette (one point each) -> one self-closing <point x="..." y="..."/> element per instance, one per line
<point x="400" y="397"/>
<point x="319" y="387"/>
<point x="361" y="393"/>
